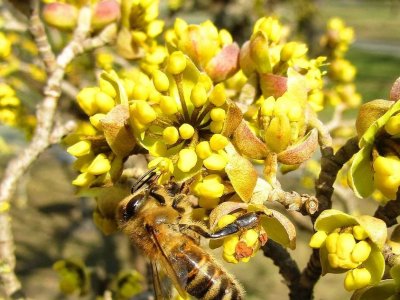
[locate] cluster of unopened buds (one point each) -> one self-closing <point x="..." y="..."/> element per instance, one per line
<point x="341" y="72"/>
<point x="350" y="244"/>
<point x="347" y="249"/>
<point x="96" y="161"/>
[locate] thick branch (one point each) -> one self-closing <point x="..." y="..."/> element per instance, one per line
<point x="390" y="211"/>
<point x="287" y="266"/>
<point x="305" y="204"/>
<point x="330" y="166"/>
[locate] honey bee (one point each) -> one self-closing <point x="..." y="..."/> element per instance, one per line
<point x="157" y="220"/>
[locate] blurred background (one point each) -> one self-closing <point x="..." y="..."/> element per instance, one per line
<point x="51" y="222"/>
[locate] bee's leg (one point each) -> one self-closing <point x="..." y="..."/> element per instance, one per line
<point x="159" y="197"/>
<point x="246" y="221"/>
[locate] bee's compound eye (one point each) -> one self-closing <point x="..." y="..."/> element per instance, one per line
<point x="132" y="207"/>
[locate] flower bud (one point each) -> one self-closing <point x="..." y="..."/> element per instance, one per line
<point x="104" y="102"/>
<point x="318" y="239"/>
<point x="95" y="120"/>
<point x="99" y="165"/>
<point x="230" y="243"/>
<point x="361" y="251"/>
<point x="160" y="80"/>
<point x="105" y="12"/>
<point x="216" y="127"/>
<point x="333" y="260"/>
<point x="218" y="114"/>
<point x="357" y="279"/>
<point x="331" y="242"/>
<point x="168" y="105"/>
<point x="186" y="131"/>
<point x="80" y="148"/>
<point x="140" y="92"/>
<point x="83" y="179"/>
<point x="170" y="135"/>
<point x="392" y="126"/>
<point x="267" y="106"/>
<point x="145" y="113"/>
<point x="295" y="113"/>
<point x="211" y="187"/>
<point x="215" y="162"/>
<point x="198" y="95"/>
<point x="230" y="258"/>
<point x="225" y="220"/>
<point x="203" y="149"/>
<point x="60" y="15"/>
<point x="293" y="50"/>
<point x="86" y="100"/>
<point x="345" y="245"/>
<point x="218" y="95"/>
<point x="259" y="52"/>
<point x="176" y="63"/>
<point x="359" y="233"/>
<point x="250" y="237"/>
<point x="278" y="133"/>
<point x="218" y="142"/>
<point x="187" y="160"/>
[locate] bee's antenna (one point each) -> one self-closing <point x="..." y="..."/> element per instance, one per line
<point x="145" y="178"/>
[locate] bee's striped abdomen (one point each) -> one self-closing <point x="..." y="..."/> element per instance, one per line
<point x="205" y="279"/>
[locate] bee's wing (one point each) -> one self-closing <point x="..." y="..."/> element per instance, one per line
<point x="170" y="266"/>
<point x="159" y="291"/>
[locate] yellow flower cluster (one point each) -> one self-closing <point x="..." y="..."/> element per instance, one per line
<point x="268" y="53"/>
<point x="200" y="42"/>
<point x="242" y="246"/>
<point x="96" y="162"/>
<point x="140" y="27"/>
<point x="347" y="248"/>
<point x="338" y="37"/>
<point x="178" y="116"/>
<point x="282" y="122"/>
<point x="341" y="72"/>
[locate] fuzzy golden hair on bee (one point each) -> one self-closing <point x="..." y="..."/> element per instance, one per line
<point x="157" y="220"/>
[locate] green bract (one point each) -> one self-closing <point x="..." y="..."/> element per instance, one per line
<point x="361" y="175"/>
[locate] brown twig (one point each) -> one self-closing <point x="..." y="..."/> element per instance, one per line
<point x="293" y="201"/>
<point x="287" y="266"/>
<point x="391" y="259"/>
<point x="390" y="211"/>
<point x="330" y="165"/>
